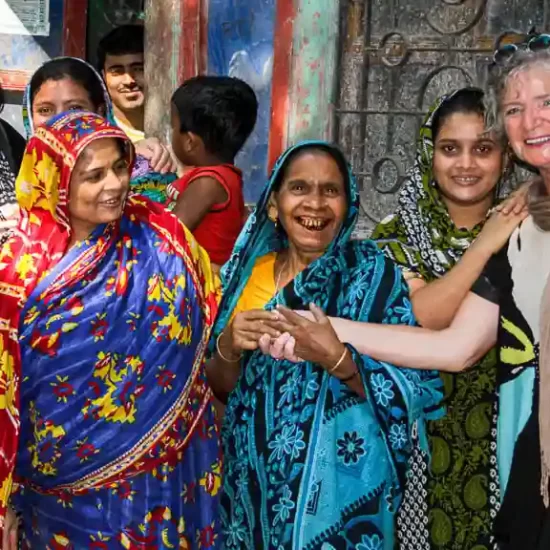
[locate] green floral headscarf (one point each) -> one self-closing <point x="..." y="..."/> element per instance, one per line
<point x="421" y="236"/>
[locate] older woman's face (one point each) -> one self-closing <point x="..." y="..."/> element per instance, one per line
<point x="526" y="113"/>
<point x="312" y="202"/>
<point x="57" y="96"/>
<point x="99" y="184"/>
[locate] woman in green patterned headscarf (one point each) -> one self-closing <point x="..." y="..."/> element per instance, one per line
<point x="436" y="236"/>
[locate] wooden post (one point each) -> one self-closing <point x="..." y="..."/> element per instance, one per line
<point x="280" y="86"/>
<point x="162" y="37"/>
<point x="175" y="46"/>
<point x="314" y="66"/>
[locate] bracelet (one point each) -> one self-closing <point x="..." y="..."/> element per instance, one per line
<point x="224" y="358"/>
<point x="340" y="361"/>
<point x="350" y="377"/>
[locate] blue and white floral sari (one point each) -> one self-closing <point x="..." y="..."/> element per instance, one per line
<point x="308" y="463"/>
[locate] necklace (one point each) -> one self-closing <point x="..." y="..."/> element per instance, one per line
<point x="279" y="277"/>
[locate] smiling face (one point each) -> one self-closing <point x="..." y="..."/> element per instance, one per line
<point x="99" y="186"/>
<point x="58" y="96"/>
<point x="525" y="109"/>
<point x="467" y="163"/>
<point x="311" y="202"/>
<point x="125" y="80"/>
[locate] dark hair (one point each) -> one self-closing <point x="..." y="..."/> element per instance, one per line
<point x="78" y="71"/>
<point x="466" y="101"/>
<point x="126" y="39"/>
<point x="221" y="110"/>
<point x="329" y="149"/>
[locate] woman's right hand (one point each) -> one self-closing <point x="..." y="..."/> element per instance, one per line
<point x="497" y="231"/>
<point x="9" y="538"/>
<point x="246" y="330"/>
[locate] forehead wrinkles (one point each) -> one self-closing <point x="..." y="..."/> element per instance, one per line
<point x="526" y="82"/>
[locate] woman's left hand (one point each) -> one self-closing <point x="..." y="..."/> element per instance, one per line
<point x="157" y="154"/>
<point x="314" y="340"/>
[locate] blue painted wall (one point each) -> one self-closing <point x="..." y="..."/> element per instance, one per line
<point x="240" y="44"/>
<point x="29" y="52"/>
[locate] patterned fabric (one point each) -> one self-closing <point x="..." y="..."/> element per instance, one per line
<point x="421" y="236"/>
<point x="307" y="463"/>
<point x="145" y="181"/>
<point x="452" y="502"/>
<point x="118" y="446"/>
<point x="8" y="204"/>
<point x="519" y="271"/>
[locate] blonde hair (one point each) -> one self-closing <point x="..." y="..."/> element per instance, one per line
<point x="522" y="60"/>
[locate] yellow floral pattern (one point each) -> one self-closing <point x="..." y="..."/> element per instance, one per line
<point x="119" y="388"/>
<point x="45" y="446"/>
<point x="37" y="183"/>
<point x="7" y="383"/>
<point x="165" y="296"/>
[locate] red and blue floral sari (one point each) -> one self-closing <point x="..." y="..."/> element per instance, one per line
<point x="118" y="444"/>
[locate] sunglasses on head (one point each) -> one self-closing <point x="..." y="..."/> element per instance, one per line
<point x="534" y="44"/>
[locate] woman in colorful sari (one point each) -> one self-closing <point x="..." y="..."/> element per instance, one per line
<point x="68" y="83"/>
<point x="106" y="305"/>
<point x="314" y="454"/>
<point x="436" y="237"/>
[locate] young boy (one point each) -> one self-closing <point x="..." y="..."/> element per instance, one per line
<point x="212" y="117"/>
<point x="121" y="60"/>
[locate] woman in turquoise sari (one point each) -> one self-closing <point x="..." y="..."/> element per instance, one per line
<point x="106" y="301"/>
<point x="314" y="453"/>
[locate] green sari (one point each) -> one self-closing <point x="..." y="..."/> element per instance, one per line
<point x="451" y="500"/>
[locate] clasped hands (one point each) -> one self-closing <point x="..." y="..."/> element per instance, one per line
<point x="286" y="334"/>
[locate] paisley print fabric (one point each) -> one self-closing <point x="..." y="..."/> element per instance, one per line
<point x="452" y="502"/>
<point x="145" y="181"/>
<point x="307" y="463"/>
<point x="102" y="349"/>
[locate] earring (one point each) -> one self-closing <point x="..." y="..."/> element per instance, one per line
<point x="272" y="215"/>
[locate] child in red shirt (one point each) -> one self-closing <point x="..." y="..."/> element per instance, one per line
<point x="212" y="117"/>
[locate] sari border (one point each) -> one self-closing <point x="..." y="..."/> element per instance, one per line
<point x="103" y="476"/>
<point x="131" y="458"/>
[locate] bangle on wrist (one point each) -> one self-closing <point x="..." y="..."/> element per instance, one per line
<point x="350" y="377"/>
<point x="340" y="361"/>
<point x="222" y="356"/>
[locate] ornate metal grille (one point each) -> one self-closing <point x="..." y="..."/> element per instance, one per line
<point x="396" y="57"/>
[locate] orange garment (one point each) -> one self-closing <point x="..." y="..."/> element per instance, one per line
<point x="260" y="287"/>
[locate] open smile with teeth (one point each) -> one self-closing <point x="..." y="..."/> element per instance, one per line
<point x="313" y="224"/>
<point x="466" y="180"/>
<point x="111" y="203"/>
<point x="537" y="140"/>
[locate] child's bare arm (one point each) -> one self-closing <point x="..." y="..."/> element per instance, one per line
<point x="197" y="200"/>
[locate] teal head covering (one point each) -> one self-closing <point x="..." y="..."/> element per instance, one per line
<point x="145" y="181"/>
<point x="260" y="236"/>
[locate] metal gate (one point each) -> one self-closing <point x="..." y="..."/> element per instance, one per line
<point x="396" y="57"/>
